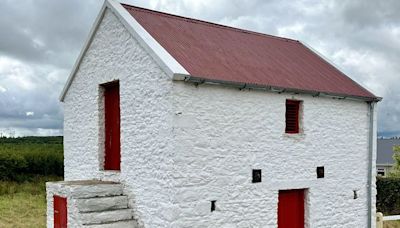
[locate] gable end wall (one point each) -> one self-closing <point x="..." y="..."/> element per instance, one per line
<point x="145" y="121"/>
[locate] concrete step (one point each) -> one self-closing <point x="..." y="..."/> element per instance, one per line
<point x="97" y="189"/>
<point x="102" y="203"/>
<point x="106" y="216"/>
<point x="119" y="224"/>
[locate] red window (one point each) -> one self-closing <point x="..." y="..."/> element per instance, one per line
<point x="60" y="211"/>
<point x="112" y="153"/>
<point x="291" y="209"/>
<point x="292" y="116"/>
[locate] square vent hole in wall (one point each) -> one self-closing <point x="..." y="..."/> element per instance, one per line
<point x="320" y="172"/>
<point x="213" y="206"/>
<point x="256" y="176"/>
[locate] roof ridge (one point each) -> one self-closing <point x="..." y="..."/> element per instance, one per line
<point x="207" y="23"/>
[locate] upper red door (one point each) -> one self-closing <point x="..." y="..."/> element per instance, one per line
<point x="291" y="209"/>
<point x="112" y="158"/>
<point x="60" y="212"/>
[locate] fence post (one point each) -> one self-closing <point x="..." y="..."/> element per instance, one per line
<point x="379" y="220"/>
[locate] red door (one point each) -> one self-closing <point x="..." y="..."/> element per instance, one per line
<point x="60" y="211"/>
<point x="112" y="127"/>
<point x="291" y="209"/>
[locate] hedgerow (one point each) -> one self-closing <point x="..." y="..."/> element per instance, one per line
<point x="388" y="195"/>
<point x="19" y="161"/>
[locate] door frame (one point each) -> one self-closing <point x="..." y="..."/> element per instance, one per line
<point x="304" y="198"/>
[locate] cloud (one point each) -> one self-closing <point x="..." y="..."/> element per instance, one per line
<point x="29" y="99"/>
<point x="43" y="31"/>
<point x="40" y="40"/>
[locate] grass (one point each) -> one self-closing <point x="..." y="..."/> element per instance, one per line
<point x="25" y="165"/>
<point x="24" y="204"/>
<point x="391" y="224"/>
<point x="23" y="157"/>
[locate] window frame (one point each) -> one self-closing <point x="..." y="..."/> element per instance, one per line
<point x="294" y="114"/>
<point x="111" y="125"/>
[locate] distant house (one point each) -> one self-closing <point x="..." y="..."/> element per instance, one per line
<point x="384" y="155"/>
<point x="176" y="122"/>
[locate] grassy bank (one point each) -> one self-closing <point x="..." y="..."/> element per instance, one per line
<point x="26" y="164"/>
<point x="24" y="204"/>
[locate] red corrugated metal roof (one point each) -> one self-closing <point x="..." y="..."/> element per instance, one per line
<point x="216" y="52"/>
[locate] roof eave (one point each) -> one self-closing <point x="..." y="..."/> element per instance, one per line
<point x="385" y="164"/>
<point x="271" y="88"/>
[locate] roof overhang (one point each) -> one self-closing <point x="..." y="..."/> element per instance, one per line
<point x="384" y="164"/>
<point x="271" y="88"/>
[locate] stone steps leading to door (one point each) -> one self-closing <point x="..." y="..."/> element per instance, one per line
<point x="102" y="203"/>
<point x="119" y="224"/>
<point x="107" y="216"/>
<point x="96" y="204"/>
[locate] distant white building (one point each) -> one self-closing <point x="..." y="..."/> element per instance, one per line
<point x="384" y="157"/>
<point x="176" y="122"/>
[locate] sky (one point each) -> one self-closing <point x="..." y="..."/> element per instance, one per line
<point x="40" y="41"/>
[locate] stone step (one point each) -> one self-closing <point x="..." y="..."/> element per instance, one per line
<point x="96" y="190"/>
<point x="102" y="203"/>
<point x="106" y="216"/>
<point x="119" y="224"/>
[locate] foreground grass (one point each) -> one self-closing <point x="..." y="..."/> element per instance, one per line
<point x="391" y="224"/>
<point x="22" y="210"/>
<point x="24" y="204"/>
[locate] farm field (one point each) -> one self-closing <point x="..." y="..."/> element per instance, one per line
<point x="23" y="204"/>
<point x="26" y="164"/>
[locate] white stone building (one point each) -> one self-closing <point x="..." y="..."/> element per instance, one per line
<point x="176" y="122"/>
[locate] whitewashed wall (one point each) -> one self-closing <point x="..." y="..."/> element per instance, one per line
<point x="221" y="134"/>
<point x="183" y="146"/>
<point x="145" y="121"/>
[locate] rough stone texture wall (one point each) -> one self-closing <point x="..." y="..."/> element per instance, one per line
<point x="183" y="146"/>
<point x="221" y="134"/>
<point x="145" y="121"/>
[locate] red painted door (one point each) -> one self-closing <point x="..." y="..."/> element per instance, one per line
<point x="60" y="211"/>
<point x="291" y="209"/>
<point x="112" y="127"/>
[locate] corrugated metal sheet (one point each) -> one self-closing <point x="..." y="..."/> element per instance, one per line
<point x="222" y="53"/>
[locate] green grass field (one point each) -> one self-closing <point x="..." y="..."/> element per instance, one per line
<point x="22" y="158"/>
<point x="24" y="204"/>
<point x="26" y="164"/>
